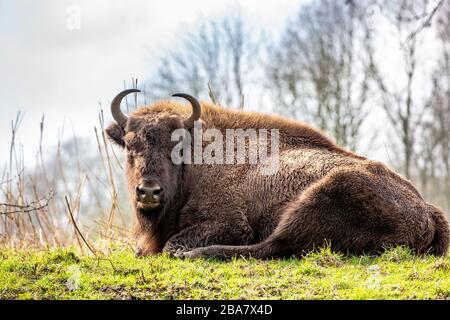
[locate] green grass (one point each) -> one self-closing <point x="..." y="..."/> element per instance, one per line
<point x="67" y="274"/>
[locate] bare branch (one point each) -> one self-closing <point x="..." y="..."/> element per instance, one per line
<point x="33" y="206"/>
<point x="77" y="230"/>
<point x="12" y="179"/>
<point x="427" y="22"/>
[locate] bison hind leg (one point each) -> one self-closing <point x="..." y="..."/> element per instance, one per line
<point x="349" y="210"/>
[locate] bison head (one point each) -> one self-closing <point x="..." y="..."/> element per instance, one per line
<point x="153" y="179"/>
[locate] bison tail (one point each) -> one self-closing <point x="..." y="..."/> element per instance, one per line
<point x="441" y="240"/>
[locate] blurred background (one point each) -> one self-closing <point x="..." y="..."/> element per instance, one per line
<point x="374" y="75"/>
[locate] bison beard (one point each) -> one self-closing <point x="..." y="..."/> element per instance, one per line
<point x="320" y="194"/>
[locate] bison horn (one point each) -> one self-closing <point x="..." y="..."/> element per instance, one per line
<point x="196" y="109"/>
<point x="118" y="115"/>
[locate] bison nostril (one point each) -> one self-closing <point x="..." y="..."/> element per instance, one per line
<point x="140" y="192"/>
<point x="157" y="191"/>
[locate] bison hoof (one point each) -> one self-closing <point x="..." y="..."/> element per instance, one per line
<point x="138" y="253"/>
<point x="179" y="254"/>
<point x="193" y="254"/>
<point x="174" y="252"/>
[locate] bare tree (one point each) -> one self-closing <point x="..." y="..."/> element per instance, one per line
<point x="401" y="104"/>
<point x="318" y="72"/>
<point x="434" y="151"/>
<point x="218" y="55"/>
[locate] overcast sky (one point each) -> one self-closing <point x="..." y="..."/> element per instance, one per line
<point x="60" y="58"/>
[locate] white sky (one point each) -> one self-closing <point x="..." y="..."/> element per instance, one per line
<point x="48" y="68"/>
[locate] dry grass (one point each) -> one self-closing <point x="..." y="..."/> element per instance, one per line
<point x="57" y="203"/>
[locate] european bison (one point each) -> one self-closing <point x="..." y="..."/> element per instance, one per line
<point x="319" y="193"/>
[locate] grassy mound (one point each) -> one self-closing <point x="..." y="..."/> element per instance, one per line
<point x="68" y="274"/>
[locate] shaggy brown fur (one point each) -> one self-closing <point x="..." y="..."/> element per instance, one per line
<point x="320" y="194"/>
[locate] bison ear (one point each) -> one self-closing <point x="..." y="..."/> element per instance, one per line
<point x="116" y="134"/>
